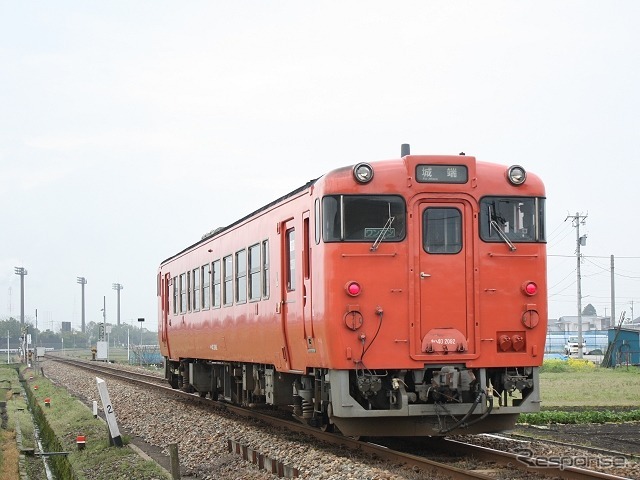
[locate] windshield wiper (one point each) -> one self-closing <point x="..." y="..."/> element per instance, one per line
<point x="494" y="224"/>
<point x="502" y="235"/>
<point x="383" y="232"/>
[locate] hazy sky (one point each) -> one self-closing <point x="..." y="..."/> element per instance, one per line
<point x="128" y="129"/>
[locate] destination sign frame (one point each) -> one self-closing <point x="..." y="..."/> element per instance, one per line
<point x="427" y="173"/>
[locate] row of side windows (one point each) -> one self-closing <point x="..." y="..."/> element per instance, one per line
<point x="233" y="279"/>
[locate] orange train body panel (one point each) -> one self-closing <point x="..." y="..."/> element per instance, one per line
<point x="431" y="261"/>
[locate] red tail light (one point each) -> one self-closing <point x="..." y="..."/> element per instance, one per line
<point x="530" y="288"/>
<point x="353" y="289"/>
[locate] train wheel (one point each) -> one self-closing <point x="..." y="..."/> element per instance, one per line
<point x="324" y="423"/>
<point x="327" y="427"/>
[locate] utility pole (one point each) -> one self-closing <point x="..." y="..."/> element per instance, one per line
<point x="35" y="346"/>
<point x="118" y="287"/>
<point x="577" y="220"/>
<point x="82" y="281"/>
<point x="22" y="272"/>
<point x="140" y="321"/>
<point x="612" y="319"/>
<point x="104" y="317"/>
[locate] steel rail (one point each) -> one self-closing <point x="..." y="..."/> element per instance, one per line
<point x="533" y="465"/>
<point x="100" y="367"/>
<point x="533" y="438"/>
<point x="510" y="460"/>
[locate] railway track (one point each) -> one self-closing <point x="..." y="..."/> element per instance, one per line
<point x="585" y="448"/>
<point x="107" y="369"/>
<point x="488" y="463"/>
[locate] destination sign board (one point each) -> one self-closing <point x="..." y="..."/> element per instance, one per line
<point x="442" y="174"/>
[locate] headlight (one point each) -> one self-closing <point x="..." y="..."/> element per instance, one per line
<point x="516" y="175"/>
<point x="363" y="173"/>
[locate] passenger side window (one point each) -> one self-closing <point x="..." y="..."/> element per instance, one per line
<point x="265" y="269"/>
<point x="228" y="280"/>
<point x="195" y="278"/>
<point x="241" y="276"/>
<point x="254" y="272"/>
<point x="291" y="259"/>
<point x="206" y="279"/>
<point x="217" y="285"/>
<point x="183" y="293"/>
<point x="176" y="292"/>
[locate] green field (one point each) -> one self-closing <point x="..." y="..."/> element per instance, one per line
<point x="580" y="384"/>
<point x="576" y="391"/>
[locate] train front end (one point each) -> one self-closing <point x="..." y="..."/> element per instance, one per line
<point x="434" y="295"/>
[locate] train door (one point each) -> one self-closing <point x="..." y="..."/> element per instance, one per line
<point x="307" y="298"/>
<point x="164" y="309"/>
<point x="445" y="277"/>
<point x="289" y="286"/>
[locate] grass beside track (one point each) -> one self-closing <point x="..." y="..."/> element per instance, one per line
<point x="69" y="418"/>
<point x="9" y="455"/>
<point x="579" y="383"/>
<point x="572" y="391"/>
<point x="577" y="391"/>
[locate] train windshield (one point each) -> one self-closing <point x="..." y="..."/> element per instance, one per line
<point x="363" y="218"/>
<point x="512" y="219"/>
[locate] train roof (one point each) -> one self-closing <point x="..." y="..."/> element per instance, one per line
<point x="219" y="230"/>
<point x="409" y="162"/>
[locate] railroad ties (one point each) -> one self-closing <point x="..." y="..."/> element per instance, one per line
<point x="262" y="461"/>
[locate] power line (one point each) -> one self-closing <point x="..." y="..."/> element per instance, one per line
<point x="609" y="270"/>
<point x="550" y="237"/>
<point x="591" y="256"/>
<point x="568" y="275"/>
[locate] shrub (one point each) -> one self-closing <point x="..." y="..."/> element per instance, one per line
<point x="555" y="366"/>
<point x="570" y="365"/>
<point x="580" y="364"/>
<point x="592" y="416"/>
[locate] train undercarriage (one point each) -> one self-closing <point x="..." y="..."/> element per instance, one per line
<point x="436" y="400"/>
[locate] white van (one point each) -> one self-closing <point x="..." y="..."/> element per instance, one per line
<point x="571" y="347"/>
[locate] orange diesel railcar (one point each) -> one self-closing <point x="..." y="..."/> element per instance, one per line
<point x="400" y="297"/>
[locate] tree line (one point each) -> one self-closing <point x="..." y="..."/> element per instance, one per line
<point x="11" y="328"/>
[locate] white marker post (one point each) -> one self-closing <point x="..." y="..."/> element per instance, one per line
<point x="109" y="413"/>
